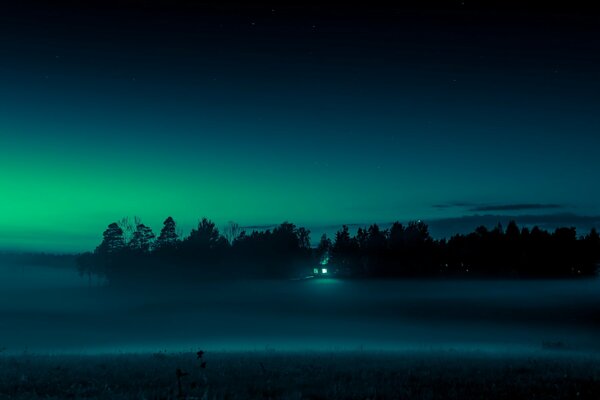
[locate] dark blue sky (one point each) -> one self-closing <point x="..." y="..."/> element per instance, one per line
<point x="318" y="115"/>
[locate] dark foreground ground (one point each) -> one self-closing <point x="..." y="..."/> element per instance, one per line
<point x="280" y="375"/>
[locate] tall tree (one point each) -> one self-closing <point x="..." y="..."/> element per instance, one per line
<point x="142" y="238"/>
<point x="168" y="235"/>
<point x="112" y="241"/>
<point x="396" y="236"/>
<point x="323" y="249"/>
<point x="231" y="231"/>
<point x="303" y="238"/>
<point x="205" y="236"/>
<point x="129" y="225"/>
<point x="512" y="231"/>
<point x="345" y="250"/>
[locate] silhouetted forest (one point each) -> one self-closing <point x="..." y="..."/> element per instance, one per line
<point x="130" y="251"/>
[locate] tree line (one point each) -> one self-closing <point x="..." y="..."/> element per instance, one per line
<point x="131" y="251"/>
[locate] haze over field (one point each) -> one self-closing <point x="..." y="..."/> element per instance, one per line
<point x="54" y="310"/>
<point x="242" y="200"/>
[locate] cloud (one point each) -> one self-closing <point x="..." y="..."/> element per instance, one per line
<point x="259" y="227"/>
<point x="516" y="207"/>
<point x="454" y="204"/>
<point x="447" y="227"/>
<point x="482" y="207"/>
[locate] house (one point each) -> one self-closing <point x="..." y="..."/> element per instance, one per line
<point x="323" y="270"/>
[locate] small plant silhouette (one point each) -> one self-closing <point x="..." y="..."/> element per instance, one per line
<point x="199" y="356"/>
<point x="180" y="374"/>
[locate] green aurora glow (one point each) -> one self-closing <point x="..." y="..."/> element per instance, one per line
<point x="263" y="131"/>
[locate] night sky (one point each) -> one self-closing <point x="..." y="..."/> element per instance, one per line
<point x="316" y="115"/>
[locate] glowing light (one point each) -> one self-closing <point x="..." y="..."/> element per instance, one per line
<point x="315" y="270"/>
<point x="324" y="270"/>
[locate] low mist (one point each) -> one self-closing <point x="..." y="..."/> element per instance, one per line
<point x="48" y="309"/>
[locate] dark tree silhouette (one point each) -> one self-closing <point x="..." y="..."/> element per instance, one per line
<point x="204" y="245"/>
<point x="323" y="249"/>
<point x="345" y="252"/>
<point x="112" y="241"/>
<point x="231" y="231"/>
<point x="303" y="235"/>
<point x="142" y="239"/>
<point x="285" y="251"/>
<point x="376" y="251"/>
<point x="168" y="237"/>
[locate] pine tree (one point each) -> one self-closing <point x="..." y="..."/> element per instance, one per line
<point x="168" y="235"/>
<point x="205" y="236"/>
<point x="142" y="238"/>
<point x="112" y="241"/>
<point x="345" y="250"/>
<point x="323" y="249"/>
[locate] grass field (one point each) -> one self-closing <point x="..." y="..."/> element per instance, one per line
<point x="286" y="375"/>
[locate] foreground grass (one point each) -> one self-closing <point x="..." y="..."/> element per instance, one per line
<point x="275" y="375"/>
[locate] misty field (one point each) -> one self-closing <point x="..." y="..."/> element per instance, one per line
<point x="417" y="339"/>
<point x="288" y="375"/>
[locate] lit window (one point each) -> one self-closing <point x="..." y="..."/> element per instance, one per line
<point x="324" y="270"/>
<point x="315" y="270"/>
